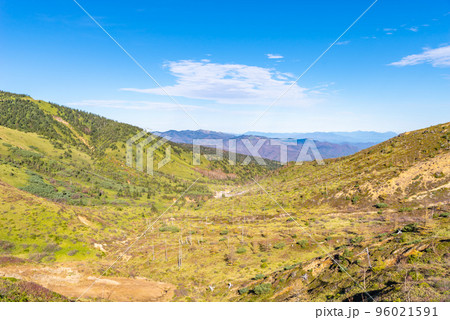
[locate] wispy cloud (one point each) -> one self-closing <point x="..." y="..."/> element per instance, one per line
<point x="274" y="56"/>
<point x="130" y="105"/>
<point x="342" y="43"/>
<point x="413" y="29"/>
<point x="389" y="30"/>
<point x="439" y="57"/>
<point x="232" y="84"/>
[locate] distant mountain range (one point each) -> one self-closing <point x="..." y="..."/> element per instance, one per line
<point x="333" y="137"/>
<point x="187" y="136"/>
<point x="329" y="144"/>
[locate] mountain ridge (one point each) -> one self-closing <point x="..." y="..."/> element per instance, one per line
<point x="335" y="137"/>
<point x="268" y="150"/>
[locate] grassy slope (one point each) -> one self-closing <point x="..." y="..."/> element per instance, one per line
<point x="401" y="184"/>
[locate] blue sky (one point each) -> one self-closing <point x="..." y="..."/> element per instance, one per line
<point x="226" y="62"/>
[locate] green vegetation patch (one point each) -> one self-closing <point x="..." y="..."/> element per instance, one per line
<point x="172" y="229"/>
<point x="279" y="245"/>
<point x="412" y="227"/>
<point x="37" y="186"/>
<point x="262" y="288"/>
<point x="243" y="291"/>
<point x="241" y="250"/>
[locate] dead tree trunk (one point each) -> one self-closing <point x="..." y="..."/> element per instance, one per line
<point x="165" y="248"/>
<point x="368" y="258"/>
<point x="180" y="256"/>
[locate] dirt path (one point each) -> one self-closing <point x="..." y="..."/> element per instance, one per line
<point x="60" y="120"/>
<point x="229" y="193"/>
<point x="71" y="283"/>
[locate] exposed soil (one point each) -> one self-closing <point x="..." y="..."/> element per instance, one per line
<point x="425" y="169"/>
<point x="72" y="284"/>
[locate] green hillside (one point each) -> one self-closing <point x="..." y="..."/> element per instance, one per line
<point x="78" y="157"/>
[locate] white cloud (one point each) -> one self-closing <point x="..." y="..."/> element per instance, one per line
<point x="439" y="57"/>
<point x="389" y="30"/>
<point x="341" y="43"/>
<point x="274" y="56"/>
<point x="232" y="84"/>
<point x="413" y="29"/>
<point x="130" y="105"/>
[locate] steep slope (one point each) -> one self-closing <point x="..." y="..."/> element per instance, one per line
<point x="61" y="124"/>
<point x="411" y="266"/>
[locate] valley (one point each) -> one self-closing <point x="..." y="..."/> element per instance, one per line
<point x="76" y="220"/>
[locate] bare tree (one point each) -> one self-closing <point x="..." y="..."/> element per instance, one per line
<point x="165" y="248"/>
<point x="180" y="255"/>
